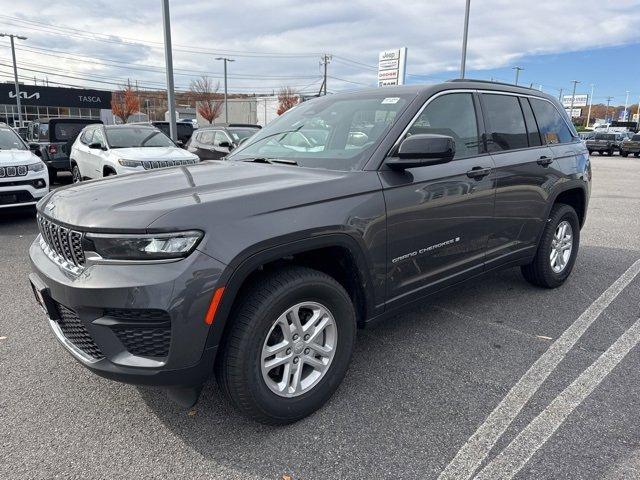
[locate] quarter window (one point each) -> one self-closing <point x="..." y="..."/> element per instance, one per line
<point x="454" y="115"/>
<point x="505" y="123"/>
<point x="86" y="136"/>
<point x="552" y="126"/>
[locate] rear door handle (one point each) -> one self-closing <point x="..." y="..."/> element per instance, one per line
<point x="478" y="172"/>
<point x="545" y="161"/>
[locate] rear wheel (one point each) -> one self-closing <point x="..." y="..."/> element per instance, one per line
<point x="623" y="153"/>
<point x="601" y="152"/>
<point x="610" y="152"/>
<point x="289" y="346"/>
<point x="557" y="249"/>
<point x="636" y="154"/>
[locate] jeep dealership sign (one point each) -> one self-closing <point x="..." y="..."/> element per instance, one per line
<point x="580" y="100"/>
<point x="392" y="65"/>
<point x="55" y="96"/>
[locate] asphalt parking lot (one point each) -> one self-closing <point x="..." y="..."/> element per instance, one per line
<point x="494" y="374"/>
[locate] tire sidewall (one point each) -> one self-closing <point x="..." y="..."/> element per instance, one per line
<point x="562" y="213"/>
<point x="343" y="313"/>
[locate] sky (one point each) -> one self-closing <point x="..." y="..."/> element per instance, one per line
<point x="276" y="43"/>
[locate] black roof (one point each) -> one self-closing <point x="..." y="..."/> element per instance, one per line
<point x="73" y="119"/>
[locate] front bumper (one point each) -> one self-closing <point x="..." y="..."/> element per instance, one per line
<point x="22" y="191"/>
<point x="135" y="323"/>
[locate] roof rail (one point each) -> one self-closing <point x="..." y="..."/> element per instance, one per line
<point x="489" y="81"/>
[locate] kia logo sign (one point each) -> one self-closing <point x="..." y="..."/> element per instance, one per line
<point x="25" y="95"/>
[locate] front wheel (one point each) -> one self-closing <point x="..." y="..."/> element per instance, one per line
<point x="557" y="249"/>
<point x="610" y="152"/>
<point x="623" y="153"/>
<point x="77" y="176"/>
<point x="289" y="345"/>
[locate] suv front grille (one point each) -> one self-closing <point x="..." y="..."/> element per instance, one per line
<point x="65" y="244"/>
<point x="151" y="164"/>
<point x="19" y="171"/>
<point x="76" y="332"/>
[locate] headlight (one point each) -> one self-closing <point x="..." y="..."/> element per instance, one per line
<point x="36" y="167"/>
<point x="130" y="163"/>
<point x="143" y="247"/>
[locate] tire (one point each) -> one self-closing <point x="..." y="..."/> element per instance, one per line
<point x="53" y="175"/>
<point x="610" y="152"/>
<point x="623" y="153"/>
<point x="76" y="175"/>
<point x="590" y="152"/>
<point x="239" y="368"/>
<point x="636" y="154"/>
<point x="601" y="152"/>
<point x="540" y="271"/>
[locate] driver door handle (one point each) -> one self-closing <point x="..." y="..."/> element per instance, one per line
<point x="544" y="161"/>
<point x="478" y="172"/>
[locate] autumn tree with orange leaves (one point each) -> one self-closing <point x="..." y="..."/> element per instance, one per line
<point x="287" y="99"/>
<point x="125" y="103"/>
<point x="208" y="102"/>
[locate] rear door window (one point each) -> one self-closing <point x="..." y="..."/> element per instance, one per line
<point x="553" y="127"/>
<point x="532" y="127"/>
<point x="505" y="122"/>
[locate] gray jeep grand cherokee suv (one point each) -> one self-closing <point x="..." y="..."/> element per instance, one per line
<point x="339" y="213"/>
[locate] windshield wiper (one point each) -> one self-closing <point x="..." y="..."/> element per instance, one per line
<point x="271" y="161"/>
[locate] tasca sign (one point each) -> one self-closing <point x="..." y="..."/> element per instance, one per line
<point x="392" y="65"/>
<point x="55" y="96"/>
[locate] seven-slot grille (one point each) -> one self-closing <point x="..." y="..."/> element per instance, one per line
<point x="19" y="171"/>
<point x="151" y="164"/>
<point x="64" y="242"/>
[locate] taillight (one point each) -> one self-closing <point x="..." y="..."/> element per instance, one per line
<point x="53" y="149"/>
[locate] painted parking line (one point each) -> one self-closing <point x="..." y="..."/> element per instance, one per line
<point x="476" y="449"/>
<point x="515" y="456"/>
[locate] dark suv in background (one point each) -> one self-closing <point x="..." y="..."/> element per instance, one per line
<point x="51" y="139"/>
<point x="184" y="130"/>
<point x="605" y="143"/>
<point x="263" y="266"/>
<point x="212" y="143"/>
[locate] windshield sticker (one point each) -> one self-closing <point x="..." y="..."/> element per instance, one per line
<point x="390" y="100"/>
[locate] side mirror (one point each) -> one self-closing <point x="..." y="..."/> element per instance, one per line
<point x="422" y="150"/>
<point x="224" y="144"/>
<point x="97" y="146"/>
<point x="35" y="148"/>
<point x="180" y="143"/>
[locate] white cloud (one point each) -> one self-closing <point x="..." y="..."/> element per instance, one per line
<point x="501" y="32"/>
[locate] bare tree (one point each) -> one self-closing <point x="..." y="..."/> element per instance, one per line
<point x="208" y="102"/>
<point x="287" y="99"/>
<point x="125" y="103"/>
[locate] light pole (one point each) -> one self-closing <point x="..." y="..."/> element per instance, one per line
<point x="465" y="35"/>
<point x="168" y="58"/>
<point x="573" y="97"/>
<point x="226" y="104"/>
<point x="15" y="71"/>
<point x="607" y="111"/>
<point x="586" y="125"/>
<point x="517" y="69"/>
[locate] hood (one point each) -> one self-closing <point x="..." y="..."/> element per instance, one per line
<point x="152" y="153"/>
<point x="132" y="202"/>
<point x="13" y="158"/>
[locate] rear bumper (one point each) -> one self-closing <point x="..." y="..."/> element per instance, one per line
<point x="631" y="148"/>
<point x="160" y="339"/>
<point x="59" y="164"/>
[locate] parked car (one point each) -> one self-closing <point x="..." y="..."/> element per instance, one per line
<point x="605" y="143"/>
<point x="51" y="139"/>
<point x="262" y="267"/>
<point x="215" y="142"/>
<point x="586" y="135"/>
<point x="101" y="151"/>
<point x="631" y="146"/>
<point x="23" y="175"/>
<point x="185" y="130"/>
<point x="22" y="131"/>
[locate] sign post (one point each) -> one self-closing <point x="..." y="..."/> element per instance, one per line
<point x="392" y="65"/>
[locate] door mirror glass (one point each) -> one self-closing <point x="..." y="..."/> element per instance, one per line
<point x="224" y="144"/>
<point x="423" y="149"/>
<point x="96" y="145"/>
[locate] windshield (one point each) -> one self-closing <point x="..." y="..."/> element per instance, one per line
<point x="337" y="133"/>
<point x="605" y="136"/>
<point x="129" y="137"/>
<point x="636" y="138"/>
<point x="9" y="140"/>
<point x="240" y="133"/>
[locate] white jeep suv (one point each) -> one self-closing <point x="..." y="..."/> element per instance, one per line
<point x="100" y="151"/>
<point x="23" y="176"/>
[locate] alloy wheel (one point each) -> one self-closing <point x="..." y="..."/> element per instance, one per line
<point x="561" y="247"/>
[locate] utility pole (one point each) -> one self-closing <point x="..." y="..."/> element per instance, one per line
<point x="607" y="111"/>
<point x="626" y="103"/>
<point x="168" y="58"/>
<point x="517" y="69"/>
<point x="226" y="104"/>
<point x="586" y="125"/>
<point x="15" y="72"/>
<point x="465" y="35"/>
<point x="325" y="60"/>
<point x="560" y="96"/>
<point x="573" y="97"/>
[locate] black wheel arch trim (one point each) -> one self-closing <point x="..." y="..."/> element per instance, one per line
<point x="239" y="269"/>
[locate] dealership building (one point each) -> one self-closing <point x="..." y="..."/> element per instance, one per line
<point x="42" y="101"/>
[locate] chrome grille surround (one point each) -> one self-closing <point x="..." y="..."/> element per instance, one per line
<point x="62" y="245"/>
